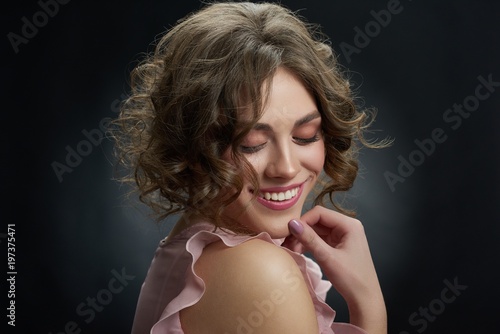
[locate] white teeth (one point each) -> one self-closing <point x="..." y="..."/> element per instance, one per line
<point x="281" y="196"/>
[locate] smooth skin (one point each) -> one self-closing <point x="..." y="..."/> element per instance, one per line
<point x="254" y="287"/>
<point x="285" y="148"/>
<point x="257" y="287"/>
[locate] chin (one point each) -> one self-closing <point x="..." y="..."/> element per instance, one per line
<point x="258" y="218"/>
<point x="274" y="223"/>
<point x="277" y="232"/>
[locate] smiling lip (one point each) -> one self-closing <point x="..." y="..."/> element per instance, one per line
<point x="280" y="198"/>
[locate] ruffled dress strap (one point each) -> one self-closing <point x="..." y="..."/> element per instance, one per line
<point x="205" y="234"/>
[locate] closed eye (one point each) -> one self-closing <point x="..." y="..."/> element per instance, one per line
<point x="252" y="149"/>
<point x="305" y="141"/>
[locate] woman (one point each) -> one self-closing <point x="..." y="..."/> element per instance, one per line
<point x="232" y="122"/>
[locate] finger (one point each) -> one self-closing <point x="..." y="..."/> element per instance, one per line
<point x="321" y="229"/>
<point x="310" y="240"/>
<point x="293" y="244"/>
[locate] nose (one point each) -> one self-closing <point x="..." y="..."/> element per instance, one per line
<point x="283" y="163"/>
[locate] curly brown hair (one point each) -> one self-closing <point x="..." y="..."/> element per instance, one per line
<point x="182" y="114"/>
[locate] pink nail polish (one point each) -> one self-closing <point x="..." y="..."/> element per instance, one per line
<point x="295" y="226"/>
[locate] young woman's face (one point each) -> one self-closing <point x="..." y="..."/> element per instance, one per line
<point x="287" y="151"/>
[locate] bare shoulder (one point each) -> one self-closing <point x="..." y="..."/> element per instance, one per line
<point x="255" y="286"/>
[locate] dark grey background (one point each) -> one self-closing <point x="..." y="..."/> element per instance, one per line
<point x="439" y="225"/>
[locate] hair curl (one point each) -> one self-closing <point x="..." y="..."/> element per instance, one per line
<point x="182" y="113"/>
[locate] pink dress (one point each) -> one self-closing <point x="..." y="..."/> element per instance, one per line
<point x="171" y="284"/>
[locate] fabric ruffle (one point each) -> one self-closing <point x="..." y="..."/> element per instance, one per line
<point x="202" y="235"/>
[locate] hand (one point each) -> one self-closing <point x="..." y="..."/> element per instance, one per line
<point x="339" y="245"/>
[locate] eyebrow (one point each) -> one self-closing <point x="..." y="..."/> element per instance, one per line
<point x="306" y="119"/>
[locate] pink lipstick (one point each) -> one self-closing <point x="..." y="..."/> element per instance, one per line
<point x="280" y="198"/>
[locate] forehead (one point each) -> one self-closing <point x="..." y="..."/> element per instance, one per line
<point x="288" y="99"/>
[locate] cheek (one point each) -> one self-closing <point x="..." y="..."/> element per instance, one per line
<point x="258" y="161"/>
<point x="314" y="157"/>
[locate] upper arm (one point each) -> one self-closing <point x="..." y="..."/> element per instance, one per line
<point x="253" y="287"/>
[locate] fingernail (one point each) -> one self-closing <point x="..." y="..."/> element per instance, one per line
<point x="295" y="226"/>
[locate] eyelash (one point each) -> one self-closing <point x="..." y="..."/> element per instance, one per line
<point x="251" y="149"/>
<point x="300" y="141"/>
<point x="305" y="141"/>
